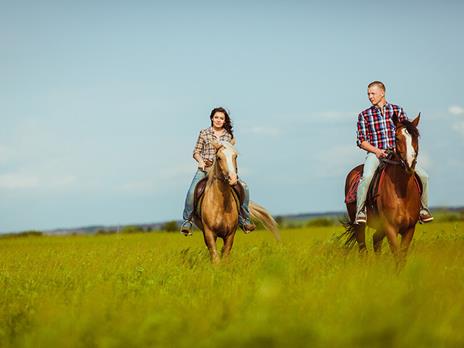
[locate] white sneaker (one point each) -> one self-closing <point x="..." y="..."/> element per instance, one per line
<point x="361" y="218"/>
<point x="425" y="216"/>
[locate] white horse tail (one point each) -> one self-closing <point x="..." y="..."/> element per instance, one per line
<point x="262" y="215"/>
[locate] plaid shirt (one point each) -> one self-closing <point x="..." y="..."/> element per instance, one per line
<point x="379" y="129"/>
<point x="204" y="145"/>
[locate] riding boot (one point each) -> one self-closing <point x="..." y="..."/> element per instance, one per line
<point x="247" y="227"/>
<point x="186" y="228"/>
<point x="425" y="216"/>
<point x="361" y="217"/>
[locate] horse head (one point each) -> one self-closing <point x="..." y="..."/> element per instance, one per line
<point x="407" y="142"/>
<point x="226" y="160"/>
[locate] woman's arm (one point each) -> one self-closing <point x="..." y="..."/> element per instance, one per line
<point x="197" y="151"/>
<point x="201" y="163"/>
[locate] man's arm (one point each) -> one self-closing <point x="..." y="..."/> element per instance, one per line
<point x="361" y="139"/>
<point x="371" y="148"/>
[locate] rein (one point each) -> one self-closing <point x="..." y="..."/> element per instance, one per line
<point x="222" y="178"/>
<point x="389" y="160"/>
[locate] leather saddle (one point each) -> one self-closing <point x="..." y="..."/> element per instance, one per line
<point x="373" y="191"/>
<point x="237" y="190"/>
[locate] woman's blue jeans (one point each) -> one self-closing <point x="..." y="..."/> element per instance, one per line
<point x="244" y="216"/>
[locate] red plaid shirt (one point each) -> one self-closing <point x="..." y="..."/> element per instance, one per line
<point x="378" y="128"/>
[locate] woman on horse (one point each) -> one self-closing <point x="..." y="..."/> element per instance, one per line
<point x="205" y="153"/>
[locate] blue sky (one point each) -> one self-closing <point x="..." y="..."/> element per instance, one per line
<point x="101" y="102"/>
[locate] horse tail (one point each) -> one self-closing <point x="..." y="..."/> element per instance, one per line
<point x="350" y="232"/>
<point x="262" y="215"/>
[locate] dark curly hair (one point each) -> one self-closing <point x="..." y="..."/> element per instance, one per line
<point x="227" y="123"/>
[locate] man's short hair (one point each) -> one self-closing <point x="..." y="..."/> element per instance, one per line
<point x="378" y="84"/>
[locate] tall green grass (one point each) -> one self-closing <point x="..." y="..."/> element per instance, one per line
<point x="159" y="289"/>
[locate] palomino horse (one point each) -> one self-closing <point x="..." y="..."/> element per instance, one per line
<point x="219" y="207"/>
<point x="394" y="209"/>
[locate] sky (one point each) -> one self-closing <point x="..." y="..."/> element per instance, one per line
<point x="101" y="102"/>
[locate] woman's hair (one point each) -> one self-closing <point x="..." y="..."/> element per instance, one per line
<point x="227" y="122"/>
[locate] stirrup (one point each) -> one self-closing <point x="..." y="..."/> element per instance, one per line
<point x="186" y="228"/>
<point x="361" y="218"/>
<point x="248" y="227"/>
<point x="425" y="216"/>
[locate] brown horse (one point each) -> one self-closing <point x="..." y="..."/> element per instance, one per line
<point x="220" y="205"/>
<point x="394" y="209"/>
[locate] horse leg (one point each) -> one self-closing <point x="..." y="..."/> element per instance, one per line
<point x="377" y="240"/>
<point x="406" y="240"/>
<point x="392" y="236"/>
<point x="228" y="242"/>
<point x="210" y="241"/>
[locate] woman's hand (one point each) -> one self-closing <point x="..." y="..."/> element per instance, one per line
<point x="201" y="165"/>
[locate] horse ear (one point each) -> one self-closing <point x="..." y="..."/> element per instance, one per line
<point x="415" y="122"/>
<point x="233" y="141"/>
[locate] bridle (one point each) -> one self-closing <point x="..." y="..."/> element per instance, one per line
<point x="223" y="177"/>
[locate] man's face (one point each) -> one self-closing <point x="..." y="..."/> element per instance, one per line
<point x="375" y="94"/>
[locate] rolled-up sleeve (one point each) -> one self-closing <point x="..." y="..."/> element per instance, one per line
<point x="361" y="130"/>
<point x="199" y="145"/>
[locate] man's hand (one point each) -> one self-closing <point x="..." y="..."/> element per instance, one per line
<point x="380" y="153"/>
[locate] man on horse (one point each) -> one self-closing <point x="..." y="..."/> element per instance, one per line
<point x="376" y="135"/>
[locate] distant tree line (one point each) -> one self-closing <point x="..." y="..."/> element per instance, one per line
<point x="31" y="233"/>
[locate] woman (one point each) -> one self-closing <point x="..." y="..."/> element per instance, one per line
<point x="205" y="153"/>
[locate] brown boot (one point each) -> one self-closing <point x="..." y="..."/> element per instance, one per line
<point x="248" y="227"/>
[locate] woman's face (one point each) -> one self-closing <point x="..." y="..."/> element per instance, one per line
<point x="219" y="119"/>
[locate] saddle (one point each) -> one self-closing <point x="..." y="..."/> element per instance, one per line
<point x="237" y="190"/>
<point x="373" y="190"/>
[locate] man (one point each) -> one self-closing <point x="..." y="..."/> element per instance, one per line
<point x="376" y="134"/>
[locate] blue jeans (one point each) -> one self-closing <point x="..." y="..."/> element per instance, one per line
<point x="370" y="165"/>
<point x="244" y="216"/>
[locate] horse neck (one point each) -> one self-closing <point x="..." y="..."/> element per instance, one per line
<point x="399" y="179"/>
<point x="214" y="182"/>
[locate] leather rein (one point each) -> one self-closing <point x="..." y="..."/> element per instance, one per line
<point x="389" y="160"/>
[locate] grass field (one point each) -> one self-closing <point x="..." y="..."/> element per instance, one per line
<point x="160" y="289"/>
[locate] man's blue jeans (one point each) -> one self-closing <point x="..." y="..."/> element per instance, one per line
<point x="370" y="165"/>
<point x="244" y="216"/>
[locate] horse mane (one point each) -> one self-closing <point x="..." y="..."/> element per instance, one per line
<point x="410" y="127"/>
